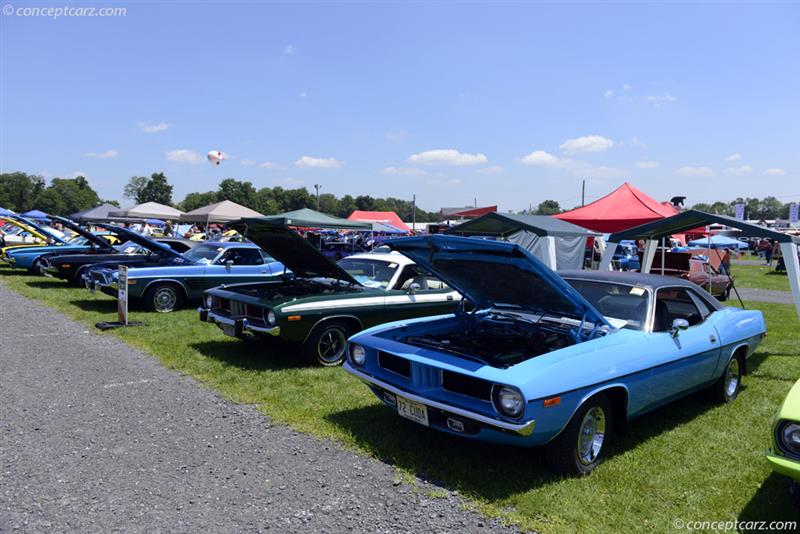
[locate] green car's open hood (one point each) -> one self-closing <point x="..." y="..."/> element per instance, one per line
<point x="289" y="248"/>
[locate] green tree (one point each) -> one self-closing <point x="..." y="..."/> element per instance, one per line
<point x="548" y="207"/>
<point x="18" y="190"/>
<point x="240" y="192"/>
<point x="67" y="195"/>
<point x="198" y="200"/>
<point x="153" y="189"/>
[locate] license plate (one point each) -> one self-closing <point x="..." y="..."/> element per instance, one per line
<point x="412" y="410"/>
<point x="229" y="330"/>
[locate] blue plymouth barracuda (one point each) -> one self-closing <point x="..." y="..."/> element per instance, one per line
<point x="171" y="285"/>
<point x="551" y="360"/>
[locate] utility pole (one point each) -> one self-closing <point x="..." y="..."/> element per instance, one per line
<point x="583" y="193"/>
<point x="317" y="187"/>
<point x="414" y="213"/>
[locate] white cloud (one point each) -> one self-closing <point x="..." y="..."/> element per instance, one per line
<point x="695" y="171"/>
<point x="247" y="162"/>
<point x="404" y="171"/>
<point x="587" y="143"/>
<point x="289" y="50"/>
<point x="627" y="87"/>
<point x="739" y="171"/>
<point x="108" y="154"/>
<point x="308" y="162"/>
<point x="447" y="156"/>
<point x="734" y="157"/>
<point x="609" y="93"/>
<point x="660" y="100"/>
<point x="153" y="127"/>
<point x="396" y="136"/>
<point x="270" y="165"/>
<point x="184" y="155"/>
<point x="540" y="158"/>
<point x="638" y="143"/>
<point x="647" y="164"/>
<point x="775" y="171"/>
<point x="302" y="94"/>
<point x="494" y="169"/>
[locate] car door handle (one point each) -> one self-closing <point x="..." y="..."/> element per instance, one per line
<point x="712" y="338"/>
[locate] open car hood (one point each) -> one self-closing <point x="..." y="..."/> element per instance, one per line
<point x="496" y="274"/>
<point x="154" y="246"/>
<point x="100" y="242"/>
<point x="42" y="230"/>
<point x="289" y="248"/>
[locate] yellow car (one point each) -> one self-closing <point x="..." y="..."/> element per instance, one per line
<point x="35" y="238"/>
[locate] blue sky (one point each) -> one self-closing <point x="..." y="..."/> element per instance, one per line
<point x="508" y="103"/>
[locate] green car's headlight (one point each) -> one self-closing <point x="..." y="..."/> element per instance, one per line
<point x="789" y="438"/>
<point x="269" y="316"/>
<point x="209" y="301"/>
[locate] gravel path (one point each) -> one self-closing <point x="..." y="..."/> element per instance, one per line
<point x="96" y="436"/>
<point x="762" y="295"/>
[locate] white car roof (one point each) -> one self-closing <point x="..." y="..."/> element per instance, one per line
<point x="388" y="257"/>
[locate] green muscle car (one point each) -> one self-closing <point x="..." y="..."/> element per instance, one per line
<point x="784" y="454"/>
<point x="321" y="303"/>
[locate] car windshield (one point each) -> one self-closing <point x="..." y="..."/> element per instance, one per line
<point x="370" y="273"/>
<point x="617" y="301"/>
<point x="131" y="247"/>
<point x="203" y="253"/>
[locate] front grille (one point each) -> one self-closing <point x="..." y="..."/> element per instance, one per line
<point x="395" y="364"/>
<point x="221" y="305"/>
<point x="253" y="311"/>
<point x="466" y="385"/>
<point x="237" y="308"/>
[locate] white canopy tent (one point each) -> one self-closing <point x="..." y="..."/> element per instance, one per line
<point x="219" y="212"/>
<point x="147" y="210"/>
<point x="688" y="220"/>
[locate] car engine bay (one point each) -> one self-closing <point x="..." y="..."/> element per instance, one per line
<point x="297" y="287"/>
<point x="497" y="339"/>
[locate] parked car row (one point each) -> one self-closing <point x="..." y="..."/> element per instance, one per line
<point x="471" y="337"/>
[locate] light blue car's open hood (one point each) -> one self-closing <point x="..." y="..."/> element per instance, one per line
<point x="496" y="274"/>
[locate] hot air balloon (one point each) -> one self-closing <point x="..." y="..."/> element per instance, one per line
<point x="215" y="157"/>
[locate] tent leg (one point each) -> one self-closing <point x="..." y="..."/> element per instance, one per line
<point x="649" y="255"/>
<point x="789" y="252"/>
<point x="551" y="252"/>
<point x="608" y="255"/>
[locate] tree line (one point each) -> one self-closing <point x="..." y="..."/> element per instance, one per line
<point x="22" y="192"/>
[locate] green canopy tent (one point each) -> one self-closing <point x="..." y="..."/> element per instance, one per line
<point x="559" y="244"/>
<point x="652" y="232"/>
<point x="308" y="218"/>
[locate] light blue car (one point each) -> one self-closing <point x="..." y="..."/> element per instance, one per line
<point x="546" y="359"/>
<point x="183" y="280"/>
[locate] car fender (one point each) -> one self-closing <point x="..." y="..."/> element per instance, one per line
<point x="164" y="280"/>
<point x="334" y="317"/>
<point x="583" y="397"/>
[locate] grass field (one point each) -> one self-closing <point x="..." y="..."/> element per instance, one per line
<point x="692" y="460"/>
<point x="759" y="277"/>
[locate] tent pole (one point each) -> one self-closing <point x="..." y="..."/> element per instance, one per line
<point x="649" y="254"/>
<point x="663" y="253"/>
<point x="607" y="257"/>
<point x="789" y="251"/>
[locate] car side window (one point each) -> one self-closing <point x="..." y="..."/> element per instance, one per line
<point x="702" y="305"/>
<point x="414" y="274"/>
<point x="675" y="303"/>
<point x="266" y="258"/>
<point x="243" y="256"/>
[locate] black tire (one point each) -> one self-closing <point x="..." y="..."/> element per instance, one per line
<point x="76" y="280"/>
<point x="327" y="344"/>
<point x="36" y="267"/>
<point x="574" y="452"/>
<point x="163" y="297"/>
<point x="727" y="388"/>
<point x="725" y="294"/>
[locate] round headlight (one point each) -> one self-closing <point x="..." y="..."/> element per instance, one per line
<point x="269" y="317"/>
<point x="509" y="401"/>
<point x="209" y="301"/>
<point x="357" y="354"/>
<point x="790" y="438"/>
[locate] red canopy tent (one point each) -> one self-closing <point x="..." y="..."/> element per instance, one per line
<point x="387" y="217"/>
<point x="623" y="208"/>
<point x="469" y="213"/>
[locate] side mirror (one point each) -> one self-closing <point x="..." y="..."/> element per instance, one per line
<point x="413" y="288"/>
<point x="677" y="326"/>
<point x="228" y="264"/>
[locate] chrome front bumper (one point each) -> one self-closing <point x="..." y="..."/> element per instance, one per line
<point x="240" y="324"/>
<point x="522" y="429"/>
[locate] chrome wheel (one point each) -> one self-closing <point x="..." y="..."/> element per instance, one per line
<point x="732" y="377"/>
<point x="331" y="345"/>
<point x="591" y="435"/>
<point x="164" y="299"/>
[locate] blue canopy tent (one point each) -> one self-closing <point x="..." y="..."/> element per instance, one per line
<point x="385" y="228"/>
<point x="718" y="241"/>
<point x="155" y="222"/>
<point x="36" y="214"/>
<point x="4" y="211"/>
